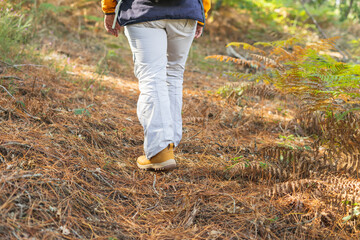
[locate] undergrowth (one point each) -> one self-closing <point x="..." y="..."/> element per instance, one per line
<point x="15" y="31"/>
<point x="325" y="95"/>
<point x="323" y="86"/>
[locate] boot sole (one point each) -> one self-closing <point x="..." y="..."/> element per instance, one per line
<point x="167" y="165"/>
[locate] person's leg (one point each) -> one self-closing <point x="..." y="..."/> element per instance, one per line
<point x="148" y="42"/>
<point x="180" y="34"/>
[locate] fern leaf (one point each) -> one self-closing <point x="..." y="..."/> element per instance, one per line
<point x="243" y="62"/>
<point x="246" y="46"/>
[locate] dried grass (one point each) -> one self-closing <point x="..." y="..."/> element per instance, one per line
<point x="73" y="176"/>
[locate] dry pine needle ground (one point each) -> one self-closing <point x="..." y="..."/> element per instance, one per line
<point x="67" y="164"/>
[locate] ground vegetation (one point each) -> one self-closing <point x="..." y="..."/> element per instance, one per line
<point x="270" y="146"/>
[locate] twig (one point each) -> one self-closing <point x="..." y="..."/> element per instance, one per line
<point x="9" y="65"/>
<point x="322" y="32"/>
<point x="310" y="220"/>
<point x="154" y="183"/>
<point x="231" y="52"/>
<point x="149" y="208"/>
<point x="6" y="63"/>
<point x="33" y="117"/>
<point x="194" y="135"/>
<point x="21" y="176"/>
<point x="30" y="65"/>
<point x="30" y="147"/>
<point x="191" y="218"/>
<point x="234" y="202"/>
<point x="101" y="179"/>
<point x="25" y="111"/>
<point x="16" y="143"/>
<point x="11" y="77"/>
<point x="28" y="194"/>
<point x="8" y="92"/>
<point x="221" y="146"/>
<point x="75" y="233"/>
<point x="135" y="215"/>
<point x="16" y="236"/>
<point x="61" y="180"/>
<point x="29" y="176"/>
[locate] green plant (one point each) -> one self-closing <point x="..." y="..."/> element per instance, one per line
<point x="234" y="162"/>
<point x="15" y="30"/>
<point x="301" y="69"/>
<point x="326" y="89"/>
<point x="227" y="91"/>
<point x="287" y="140"/>
<point x="354" y="213"/>
<point x="83" y="111"/>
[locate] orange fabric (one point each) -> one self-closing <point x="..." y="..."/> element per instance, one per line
<point x="108" y="6"/>
<point x="207" y="6"/>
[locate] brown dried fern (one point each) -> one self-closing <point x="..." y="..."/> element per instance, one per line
<point x="296" y="186"/>
<point x="262" y="90"/>
<point x="259" y="171"/>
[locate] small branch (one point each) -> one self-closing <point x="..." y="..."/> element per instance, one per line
<point x="30" y="147"/>
<point x="191" y="218"/>
<point x="16" y="143"/>
<point x="321" y="31"/>
<point x="101" y="179"/>
<point x="194" y="135"/>
<point x="30" y="65"/>
<point x="349" y="9"/>
<point x="25" y="111"/>
<point x="28" y="194"/>
<point x="313" y="19"/>
<point x="232" y="53"/>
<point x="234" y="202"/>
<point x="8" y="92"/>
<point x="154" y="183"/>
<point x="309" y="221"/>
<point x="21" y="177"/>
<point x="11" y="77"/>
<point x="79" y="186"/>
<point x="9" y="65"/>
<point x="149" y="208"/>
<point x="16" y="236"/>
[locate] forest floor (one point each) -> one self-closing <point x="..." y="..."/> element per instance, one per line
<point x="69" y="139"/>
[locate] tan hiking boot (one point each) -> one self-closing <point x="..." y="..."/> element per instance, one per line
<point x="164" y="160"/>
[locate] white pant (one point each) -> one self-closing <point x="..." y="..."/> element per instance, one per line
<point x="160" y="49"/>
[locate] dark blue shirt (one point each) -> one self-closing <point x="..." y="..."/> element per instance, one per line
<point x="135" y="11"/>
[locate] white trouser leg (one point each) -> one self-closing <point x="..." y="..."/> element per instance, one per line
<point x="160" y="50"/>
<point x="180" y="35"/>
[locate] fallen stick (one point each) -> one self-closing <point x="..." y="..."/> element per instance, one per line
<point x="31" y="147"/>
<point x="6" y="179"/>
<point x="154" y="183"/>
<point x="8" y="92"/>
<point x="323" y="34"/>
<point x="192" y="216"/>
<point x="234" y="202"/>
<point x="11" y="77"/>
<point x="9" y="65"/>
<point x="30" y="65"/>
<point x="26" y="112"/>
